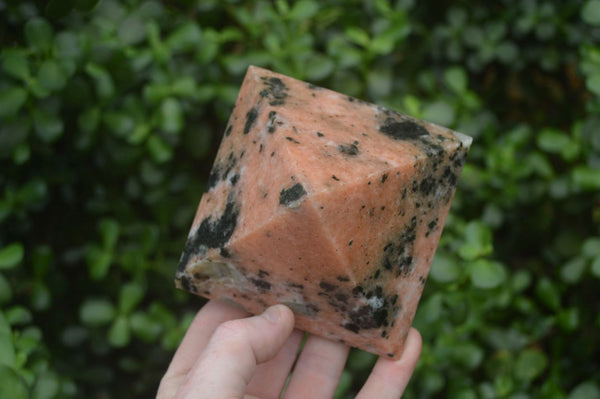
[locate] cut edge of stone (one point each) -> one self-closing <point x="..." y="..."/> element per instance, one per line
<point x="466" y="140"/>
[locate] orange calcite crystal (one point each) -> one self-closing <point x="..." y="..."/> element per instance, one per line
<point x="327" y="204"/>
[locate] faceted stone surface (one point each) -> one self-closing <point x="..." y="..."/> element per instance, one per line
<point x="327" y="204"/>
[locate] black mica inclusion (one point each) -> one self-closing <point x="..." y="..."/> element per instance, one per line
<point x="250" y="119"/>
<point x="275" y="89"/>
<point x="348" y="149"/>
<point x="289" y="195"/>
<point x="212" y="233"/>
<point x="402" y="130"/>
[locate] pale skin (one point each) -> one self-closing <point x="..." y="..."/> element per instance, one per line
<point x="226" y="354"/>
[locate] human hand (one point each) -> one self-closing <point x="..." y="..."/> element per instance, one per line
<point x="227" y="355"/>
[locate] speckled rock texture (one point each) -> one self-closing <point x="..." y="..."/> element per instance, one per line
<point x="325" y="203"/>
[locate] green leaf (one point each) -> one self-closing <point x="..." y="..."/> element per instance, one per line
<point x="593" y="84"/>
<point x="360" y="360"/>
<point x="344" y="385"/>
<point x="504" y="384"/>
<point x="159" y="149"/>
<point x="18" y="315"/>
<point x="34" y="191"/>
<point x="466" y="393"/>
<point x="28" y="339"/>
<point x="119" y="333"/>
<point x="530" y="364"/>
<point x="4" y="326"/>
<point x="521" y="279"/>
<point x="171" y="116"/>
<point x="379" y="82"/>
<point x="5" y="290"/>
<point x="12" y="386"/>
<point x="104" y="84"/>
<point x="72" y="336"/>
<point x="144" y="327"/>
<point x="119" y="122"/>
<point x="155" y="92"/>
<point x="585" y="390"/>
<point x="569" y="319"/>
<point x="130" y="296"/>
<point x="478" y="241"/>
<point x="548" y="293"/>
<point x="160" y="52"/>
<point x="52" y="76"/>
<point x="357" y="35"/>
<point x="41" y="297"/>
<point x="7" y="349"/>
<point x="68" y="46"/>
<point x="21" y="154"/>
<point x="15" y="63"/>
<point x="319" y="67"/>
<point x="132" y="30"/>
<point x="456" y="79"/>
<point x="383" y="7"/>
<point x="439" y="112"/>
<point x="96" y="312"/>
<point x="384" y="42"/>
<point x="47" y="386"/>
<point x="586" y="179"/>
<point x="591" y="247"/>
<point x="208" y="47"/>
<point x="11" y="255"/>
<point x="151" y="173"/>
<point x="590" y="12"/>
<point x="432" y="381"/>
<point x="573" y="270"/>
<point x="37" y="89"/>
<point x="595" y="267"/>
<point x="185" y="86"/>
<point x="303" y="10"/>
<point x="431" y="309"/>
<point x="553" y="140"/>
<point x="412" y="105"/>
<point x="109" y="231"/>
<point x="48" y="126"/>
<point x="98" y="261"/>
<point x="38" y="33"/>
<point x="507" y="52"/>
<point x="89" y="119"/>
<point x="139" y="133"/>
<point x="185" y="37"/>
<point x="11" y="100"/>
<point x="487" y="274"/>
<point x="444" y="269"/>
<point x="468" y="354"/>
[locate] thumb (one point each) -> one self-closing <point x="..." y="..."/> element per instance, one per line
<point x="229" y="361"/>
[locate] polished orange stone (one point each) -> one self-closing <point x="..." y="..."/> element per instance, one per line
<point x="325" y="203"/>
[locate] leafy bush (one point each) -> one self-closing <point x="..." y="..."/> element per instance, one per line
<point x="110" y="114"/>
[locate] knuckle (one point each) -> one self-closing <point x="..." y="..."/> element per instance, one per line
<point x="230" y="331"/>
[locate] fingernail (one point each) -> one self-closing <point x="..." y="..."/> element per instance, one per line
<point x="273" y="314"/>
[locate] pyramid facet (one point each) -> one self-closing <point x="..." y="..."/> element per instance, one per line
<point x="327" y="204"/>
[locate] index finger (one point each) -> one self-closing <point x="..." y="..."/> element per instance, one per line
<point x="389" y="378"/>
<point x="208" y="318"/>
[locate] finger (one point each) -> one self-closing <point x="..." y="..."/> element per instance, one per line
<point x="229" y="361"/>
<point x="389" y="378"/>
<point x="318" y="369"/>
<point x="210" y="316"/>
<point x="213" y="314"/>
<point x="270" y="377"/>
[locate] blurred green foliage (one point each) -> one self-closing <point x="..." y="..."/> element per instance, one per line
<point x="110" y="114"/>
